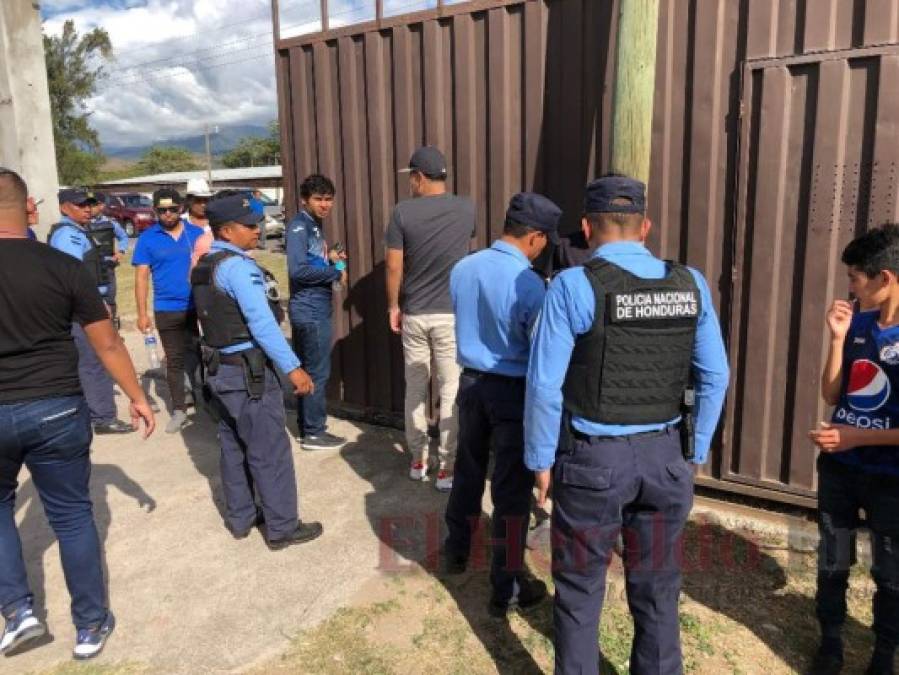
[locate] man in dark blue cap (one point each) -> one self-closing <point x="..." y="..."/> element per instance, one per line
<point x="72" y="235"/>
<point x="237" y="304"/>
<point x="619" y="347"/>
<point x="496" y="298"/>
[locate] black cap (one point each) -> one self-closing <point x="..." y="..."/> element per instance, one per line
<point x="536" y="211"/>
<point x="73" y="196"/>
<point x="166" y="198"/>
<point x="92" y="197"/>
<point x="235" y="209"/>
<point x="602" y="193"/>
<point x="428" y="161"/>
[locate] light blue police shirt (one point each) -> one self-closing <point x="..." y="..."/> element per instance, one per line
<point x="74" y="241"/>
<point x="496" y="300"/>
<point x="568" y="312"/>
<point x="240" y="277"/>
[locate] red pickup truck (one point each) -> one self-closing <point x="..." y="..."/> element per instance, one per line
<point x="133" y="211"/>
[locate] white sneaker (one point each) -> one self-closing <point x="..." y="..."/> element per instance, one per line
<point x="20" y="628"/>
<point x="444" y="481"/>
<point x="418" y="471"/>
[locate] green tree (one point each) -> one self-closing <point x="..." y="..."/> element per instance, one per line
<point x="74" y="68"/>
<point x="256" y="151"/>
<point x="163" y="159"/>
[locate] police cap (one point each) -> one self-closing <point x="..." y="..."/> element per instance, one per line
<point x="536" y="211"/>
<point x="73" y="196"/>
<point x="615" y="194"/>
<point x="234" y="209"/>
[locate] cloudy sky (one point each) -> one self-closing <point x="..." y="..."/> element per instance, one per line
<point x="180" y="64"/>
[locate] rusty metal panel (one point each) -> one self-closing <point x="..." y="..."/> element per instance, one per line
<point x="775" y="136"/>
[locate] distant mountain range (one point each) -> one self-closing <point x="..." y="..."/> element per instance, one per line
<point x="222" y="142"/>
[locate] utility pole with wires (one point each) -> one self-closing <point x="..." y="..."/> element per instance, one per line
<point x="209" y="154"/>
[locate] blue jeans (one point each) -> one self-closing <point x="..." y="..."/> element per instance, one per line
<point x="312" y="343"/>
<point x="52" y="438"/>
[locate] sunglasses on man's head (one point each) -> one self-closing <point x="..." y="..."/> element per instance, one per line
<point x="168" y="209"/>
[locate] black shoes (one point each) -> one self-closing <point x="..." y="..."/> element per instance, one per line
<point x="530" y="594"/>
<point x="452" y="563"/>
<point x="304" y="532"/>
<point x="322" y="441"/>
<point x="112" y="427"/>
<point x="828" y="659"/>
<point x="881" y="662"/>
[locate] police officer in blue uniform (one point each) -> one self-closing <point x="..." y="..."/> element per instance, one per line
<point x="72" y="235"/>
<point x="114" y="241"/>
<point x="237" y="304"/>
<point x="496" y="299"/>
<point x="620" y="345"/>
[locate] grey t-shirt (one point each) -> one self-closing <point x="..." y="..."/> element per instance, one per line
<point x="434" y="233"/>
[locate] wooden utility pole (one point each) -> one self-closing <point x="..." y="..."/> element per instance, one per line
<point x="208" y="158"/>
<point x="638" y="24"/>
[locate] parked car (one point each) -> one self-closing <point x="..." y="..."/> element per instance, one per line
<point x="133" y="210"/>
<point x="273" y="225"/>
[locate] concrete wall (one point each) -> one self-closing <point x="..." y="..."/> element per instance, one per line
<point x="26" y="129"/>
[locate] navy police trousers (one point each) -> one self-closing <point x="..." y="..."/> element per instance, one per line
<point x="641" y="487"/>
<point x="491" y="409"/>
<point x="256" y="453"/>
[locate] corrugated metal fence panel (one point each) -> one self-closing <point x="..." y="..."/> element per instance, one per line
<point x="819" y="163"/>
<point x="518" y="94"/>
<point x="513" y="93"/>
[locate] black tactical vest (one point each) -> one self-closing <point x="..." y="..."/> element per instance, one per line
<point x="220" y="316"/>
<point x="102" y="233"/>
<point x="94" y="259"/>
<point x="633" y="365"/>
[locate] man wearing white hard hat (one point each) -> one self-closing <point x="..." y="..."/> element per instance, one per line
<point x="197" y="197"/>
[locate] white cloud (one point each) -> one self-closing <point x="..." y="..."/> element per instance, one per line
<point x="179" y="64"/>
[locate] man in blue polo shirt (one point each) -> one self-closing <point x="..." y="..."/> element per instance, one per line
<point x="164" y="252"/>
<point x="496" y="299"/>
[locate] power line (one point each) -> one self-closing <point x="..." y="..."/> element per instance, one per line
<point x="121" y="70"/>
<point x="205" y="31"/>
<point x="171" y="76"/>
<point x="196" y="64"/>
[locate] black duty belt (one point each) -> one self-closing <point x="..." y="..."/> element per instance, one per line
<point x="471" y="372"/>
<point x="236" y="359"/>
<point x="667" y="429"/>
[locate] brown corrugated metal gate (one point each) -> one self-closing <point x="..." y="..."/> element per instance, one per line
<point x="776" y="139"/>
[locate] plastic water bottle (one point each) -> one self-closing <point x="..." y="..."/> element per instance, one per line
<point x="337" y="285"/>
<point x="152" y="351"/>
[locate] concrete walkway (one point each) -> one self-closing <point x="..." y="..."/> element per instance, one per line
<point x="187" y="596"/>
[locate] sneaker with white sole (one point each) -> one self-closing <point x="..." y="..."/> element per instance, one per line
<point x="418" y="471"/>
<point x="444" y="481"/>
<point x="21" y="627"/>
<point x="322" y="441"/>
<point x="90" y="641"/>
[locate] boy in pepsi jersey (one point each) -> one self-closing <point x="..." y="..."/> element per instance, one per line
<point x="858" y="467"/>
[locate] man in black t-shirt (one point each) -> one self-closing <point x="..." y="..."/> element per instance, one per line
<point x="44" y="420"/>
